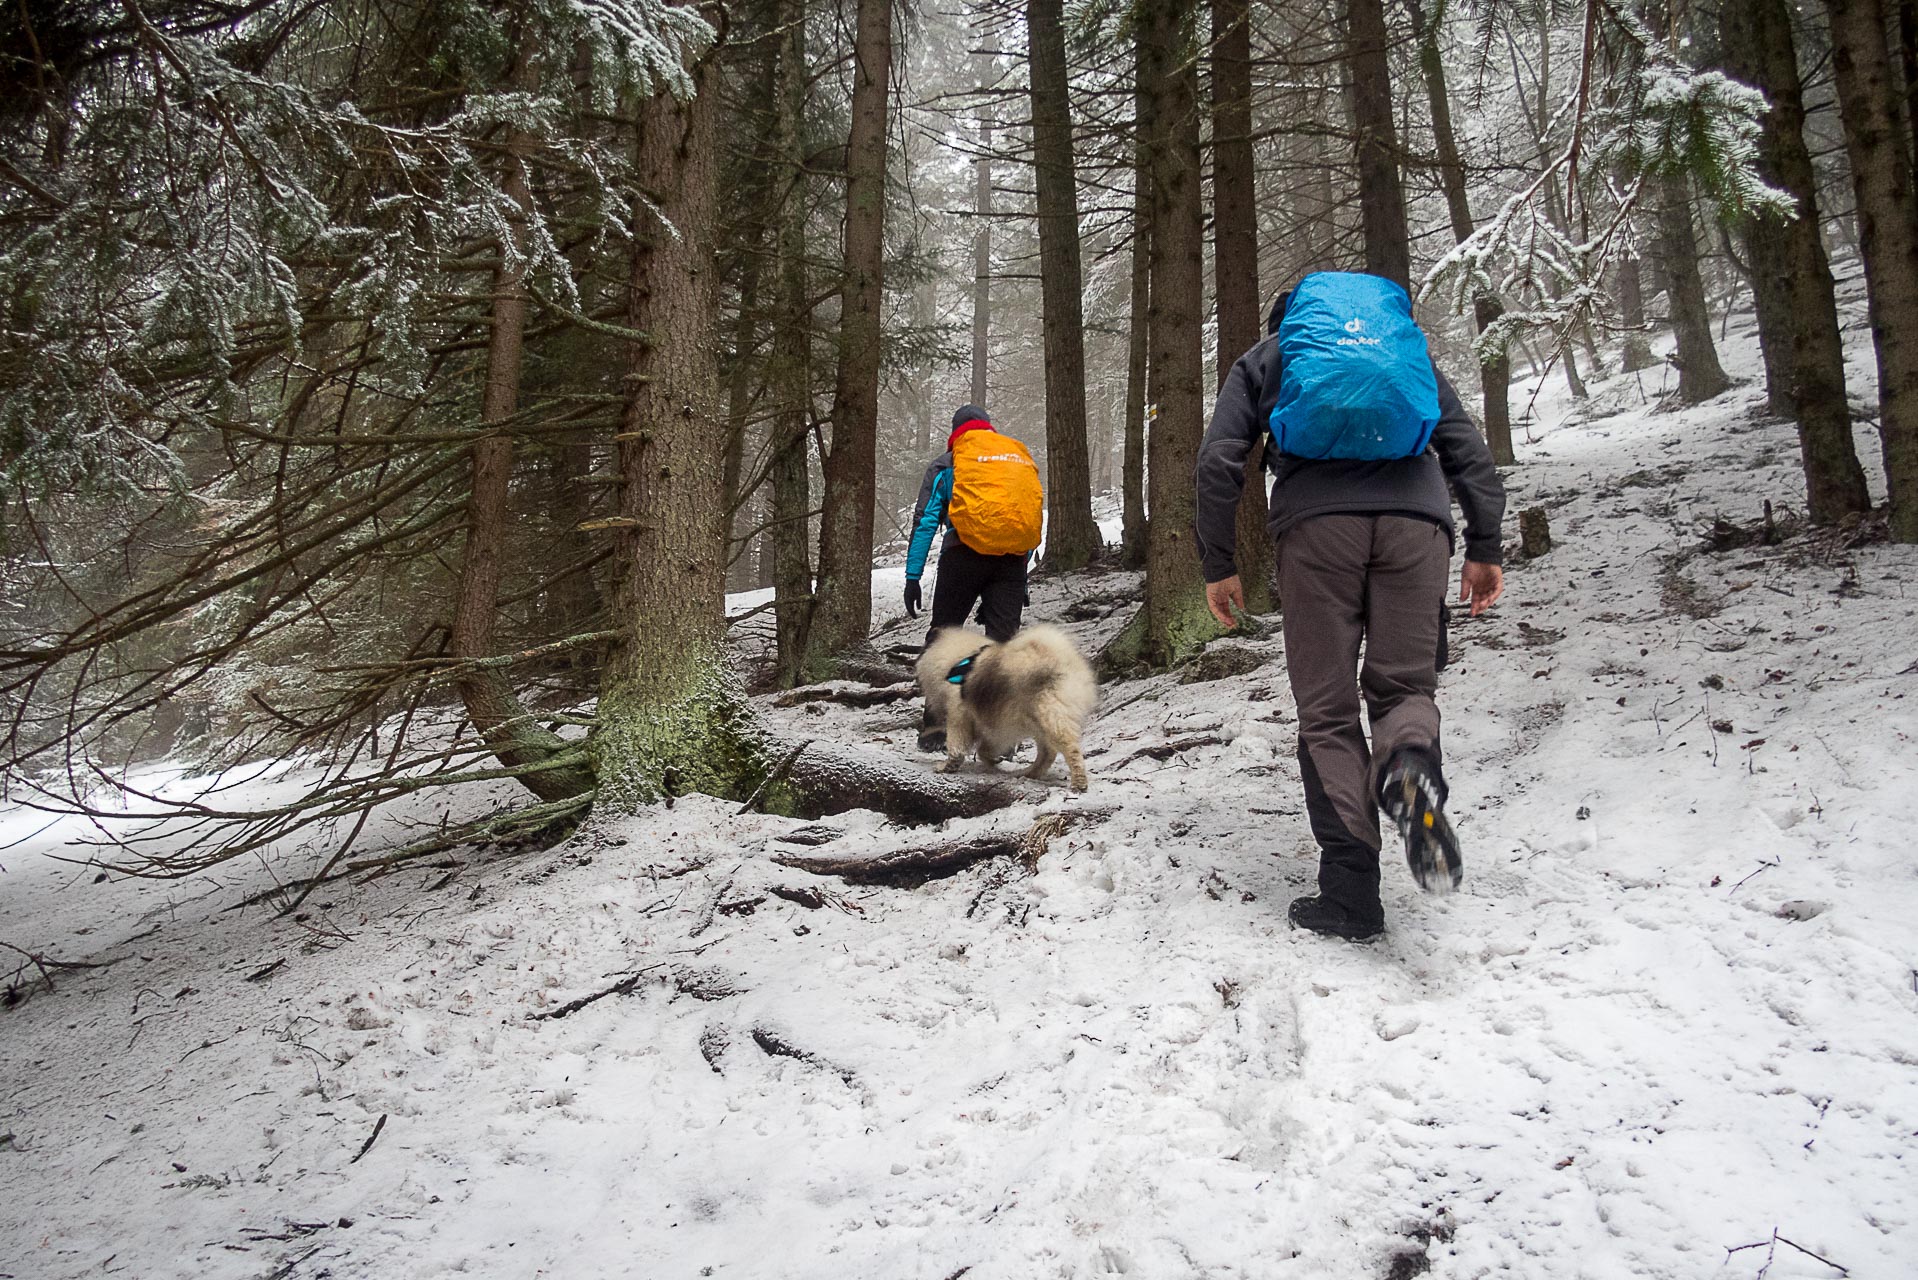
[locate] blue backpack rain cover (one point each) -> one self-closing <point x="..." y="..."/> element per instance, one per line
<point x="1356" y="378"/>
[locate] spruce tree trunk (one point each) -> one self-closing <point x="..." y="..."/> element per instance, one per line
<point x="789" y="372"/>
<point x="671" y="716"/>
<point x="1388" y="243"/>
<point x="1631" y="313"/>
<point x="842" y="607"/>
<point x="739" y="396"/>
<point x="497" y="714"/>
<point x="1700" y="376"/>
<point x="982" y="264"/>
<point x="1767" y="249"/>
<point x="1495" y="375"/>
<point x="1908" y="63"/>
<point x="1138" y="330"/>
<point x="1323" y="237"/>
<point x="1072" y="536"/>
<point x="1235" y="263"/>
<point x="1791" y="279"/>
<point x="1881" y="176"/>
<point x="1176" y="621"/>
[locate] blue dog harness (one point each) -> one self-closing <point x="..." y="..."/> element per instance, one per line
<point x="960" y="670"/>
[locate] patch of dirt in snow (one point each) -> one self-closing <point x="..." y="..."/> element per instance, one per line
<point x="1672" y="1011"/>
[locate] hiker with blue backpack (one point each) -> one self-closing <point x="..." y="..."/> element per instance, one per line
<point x="1368" y="445"/>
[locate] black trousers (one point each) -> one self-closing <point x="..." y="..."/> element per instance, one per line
<point x="997" y="584"/>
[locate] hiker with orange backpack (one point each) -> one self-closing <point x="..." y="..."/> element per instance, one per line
<point x="985" y="490"/>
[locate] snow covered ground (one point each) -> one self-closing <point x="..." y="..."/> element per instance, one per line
<point x="1673" y="1012"/>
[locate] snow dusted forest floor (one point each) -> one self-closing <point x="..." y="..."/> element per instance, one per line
<point x="1673" y="1012"/>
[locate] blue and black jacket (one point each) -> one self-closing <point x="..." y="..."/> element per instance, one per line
<point x="935" y="493"/>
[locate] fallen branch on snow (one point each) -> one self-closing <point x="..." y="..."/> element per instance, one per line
<point x="371" y="1138"/>
<point x="623" y="987"/>
<point x="1166" y="750"/>
<point x="1771" y="1247"/>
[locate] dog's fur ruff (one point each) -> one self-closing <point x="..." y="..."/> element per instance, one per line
<point x="1035" y="685"/>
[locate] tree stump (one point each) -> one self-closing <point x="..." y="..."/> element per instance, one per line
<point x="1534" y="532"/>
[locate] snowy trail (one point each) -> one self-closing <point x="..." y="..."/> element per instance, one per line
<point x="1672" y="1012"/>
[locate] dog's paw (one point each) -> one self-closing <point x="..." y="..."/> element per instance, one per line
<point x="948" y="765"/>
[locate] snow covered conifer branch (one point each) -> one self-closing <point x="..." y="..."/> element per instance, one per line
<point x="1634" y="115"/>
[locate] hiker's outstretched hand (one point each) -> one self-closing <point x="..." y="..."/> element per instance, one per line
<point x="1221" y="596"/>
<point x="1481" y="585"/>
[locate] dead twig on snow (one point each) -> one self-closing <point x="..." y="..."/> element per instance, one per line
<point x="371" y="1138"/>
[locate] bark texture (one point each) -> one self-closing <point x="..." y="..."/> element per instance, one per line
<point x="671" y="717"/>
<point x="1176" y="622"/>
<point x="982" y="266"/>
<point x="743" y="376"/>
<point x="1132" y="476"/>
<point x="1637" y="352"/>
<point x="842" y="603"/>
<point x="789" y="373"/>
<point x="1700" y="376"/>
<point x="1388" y="243"/>
<point x="1791" y="279"/>
<point x="1235" y="262"/>
<point x="1495" y="375"/>
<point x="1881" y="176"/>
<point x="491" y="705"/>
<point x="1072" y="536"/>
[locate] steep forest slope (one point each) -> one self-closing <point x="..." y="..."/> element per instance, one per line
<point x="1673" y="1013"/>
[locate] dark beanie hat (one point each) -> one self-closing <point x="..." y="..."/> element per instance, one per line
<point x="969" y="413"/>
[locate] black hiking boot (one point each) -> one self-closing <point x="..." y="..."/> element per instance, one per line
<point x="1412" y="793"/>
<point x="1329" y="919"/>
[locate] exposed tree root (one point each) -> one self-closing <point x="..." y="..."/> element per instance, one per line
<point x="910" y="867"/>
<point x="861" y="696"/>
<point x="774" y="1045"/>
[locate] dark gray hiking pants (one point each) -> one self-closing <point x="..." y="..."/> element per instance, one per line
<point x="1344" y="579"/>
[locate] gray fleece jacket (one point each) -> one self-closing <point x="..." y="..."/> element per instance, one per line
<point x="1456" y="458"/>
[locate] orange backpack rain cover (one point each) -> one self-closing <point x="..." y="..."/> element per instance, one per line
<point x="997" y="506"/>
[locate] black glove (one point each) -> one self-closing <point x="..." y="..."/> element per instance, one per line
<point x="912" y="597"/>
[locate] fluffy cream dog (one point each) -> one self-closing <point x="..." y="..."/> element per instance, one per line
<point x="1035" y="685"/>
